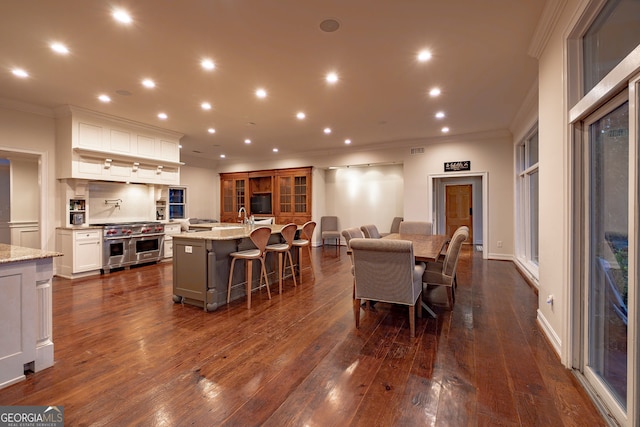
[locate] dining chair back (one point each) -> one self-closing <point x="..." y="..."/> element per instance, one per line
<point x="386" y="271"/>
<point x="415" y="227"/>
<point x="444" y="273"/>
<point x="370" y="231"/>
<point x="329" y="230"/>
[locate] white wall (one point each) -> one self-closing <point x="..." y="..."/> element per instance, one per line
<point x="555" y="174"/>
<point x="25" y="190"/>
<point x="365" y="195"/>
<point x="203" y="192"/>
<point x="135" y="202"/>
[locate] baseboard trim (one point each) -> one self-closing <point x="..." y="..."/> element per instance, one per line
<point x="554" y="339"/>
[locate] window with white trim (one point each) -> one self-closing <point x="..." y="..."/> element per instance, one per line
<point x="528" y="184"/>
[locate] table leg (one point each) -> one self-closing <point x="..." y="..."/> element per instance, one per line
<point x="428" y="309"/>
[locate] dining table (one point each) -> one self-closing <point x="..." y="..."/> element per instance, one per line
<point x="426" y="248"/>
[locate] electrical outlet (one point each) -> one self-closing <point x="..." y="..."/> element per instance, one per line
<point x="499" y="243"/>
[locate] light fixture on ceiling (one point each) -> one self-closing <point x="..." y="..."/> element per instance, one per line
<point x="435" y="92"/>
<point x="19" y="72"/>
<point x="123" y="92"/>
<point x="327" y="131"/>
<point x="440" y="115"/>
<point x="206" y="106"/>
<point x="300" y="115"/>
<point x="59" y="48"/>
<point x="122" y="16"/>
<point x="211" y="130"/>
<point x="329" y="25"/>
<point x="445" y="130"/>
<point x="275" y="150"/>
<point x="347" y="141"/>
<point x="163" y="116"/>
<point x="424" y="55"/>
<point x="148" y="83"/>
<point x="261" y="93"/>
<point x="332" y="77"/>
<point x="104" y="98"/>
<point x="247" y="141"/>
<point x="222" y="156"/>
<point x="207" y="64"/>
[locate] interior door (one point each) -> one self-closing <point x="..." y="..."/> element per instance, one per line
<point x="459" y="208"/>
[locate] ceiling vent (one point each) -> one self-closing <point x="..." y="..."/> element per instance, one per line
<point x="417" y="150"/>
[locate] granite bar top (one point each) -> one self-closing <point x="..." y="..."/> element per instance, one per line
<point x="80" y="227"/>
<point x="11" y="253"/>
<point x="226" y="231"/>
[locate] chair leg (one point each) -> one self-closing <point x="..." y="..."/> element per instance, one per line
<point x="233" y="261"/>
<point x="280" y="271"/>
<point x="293" y="273"/>
<point x="356" y="311"/>
<point x="263" y="271"/>
<point x="412" y="320"/>
<point x="313" y="269"/>
<point x="249" y="264"/>
<point x="300" y="263"/>
<point x="450" y="296"/>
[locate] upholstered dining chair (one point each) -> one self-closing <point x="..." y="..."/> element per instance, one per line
<point x="415" y="227"/>
<point x="260" y="238"/>
<point x="444" y="273"/>
<point x="329" y="230"/>
<point x="304" y="240"/>
<point x="348" y="234"/>
<point x="395" y="226"/>
<point x="386" y="271"/>
<point x="283" y="250"/>
<point x="370" y="231"/>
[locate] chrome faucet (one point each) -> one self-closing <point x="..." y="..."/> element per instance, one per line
<point x="242" y="209"/>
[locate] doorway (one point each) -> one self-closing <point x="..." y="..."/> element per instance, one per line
<point x="458" y="209"/>
<point x="470" y="210"/>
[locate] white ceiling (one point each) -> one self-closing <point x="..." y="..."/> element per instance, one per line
<point x="479" y="61"/>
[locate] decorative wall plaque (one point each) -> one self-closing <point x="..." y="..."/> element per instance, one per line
<point x="464" y="165"/>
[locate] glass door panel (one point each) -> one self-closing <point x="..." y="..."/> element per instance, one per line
<point x="608" y="225"/>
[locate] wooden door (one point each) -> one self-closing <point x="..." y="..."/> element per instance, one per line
<point x="459" y="208"/>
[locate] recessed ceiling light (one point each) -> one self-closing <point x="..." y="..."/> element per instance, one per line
<point x="440" y="115"/>
<point x="445" y="129"/>
<point x="104" y="98"/>
<point x="329" y="25"/>
<point x="347" y="141"/>
<point x="148" y="83"/>
<point x="247" y="141"/>
<point x="122" y="16"/>
<point x="435" y="91"/>
<point x="222" y="156"/>
<point x="211" y="130"/>
<point x="59" y="48"/>
<point x="19" y="72"/>
<point x="205" y="106"/>
<point x="332" y="77"/>
<point x="179" y="145"/>
<point x="162" y="116"/>
<point x="207" y="64"/>
<point x="301" y="115"/>
<point x="424" y="55"/>
<point x="261" y="93"/>
<point x="275" y="150"/>
<point x="327" y="130"/>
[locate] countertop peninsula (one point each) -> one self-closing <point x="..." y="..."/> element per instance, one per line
<point x="224" y="231"/>
<point x="12" y="253"/>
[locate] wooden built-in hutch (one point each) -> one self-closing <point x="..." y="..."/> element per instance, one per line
<point x="287" y="191"/>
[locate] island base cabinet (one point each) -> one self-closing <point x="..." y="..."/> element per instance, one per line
<point x="201" y="271"/>
<point x="25" y="319"/>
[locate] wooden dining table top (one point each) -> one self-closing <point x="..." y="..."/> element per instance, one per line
<point x="425" y="247"/>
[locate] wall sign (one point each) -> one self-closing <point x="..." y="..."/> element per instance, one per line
<point x="457" y="166"/>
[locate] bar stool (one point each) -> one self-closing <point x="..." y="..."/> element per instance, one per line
<point x="306" y="235"/>
<point x="260" y="238"/>
<point x="289" y="233"/>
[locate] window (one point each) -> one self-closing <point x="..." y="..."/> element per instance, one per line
<point x="527" y="179"/>
<point x="177" y="202"/>
<point x="610" y="38"/>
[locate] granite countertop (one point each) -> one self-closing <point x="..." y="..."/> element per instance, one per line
<point x="80" y="227"/>
<point x="11" y="253"/>
<point x="226" y="231"/>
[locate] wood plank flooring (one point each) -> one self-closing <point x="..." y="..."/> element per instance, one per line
<point x="125" y="354"/>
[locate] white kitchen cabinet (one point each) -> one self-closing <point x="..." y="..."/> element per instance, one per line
<point x="169" y="230"/>
<point x="82" y="251"/>
<point x="97" y="146"/>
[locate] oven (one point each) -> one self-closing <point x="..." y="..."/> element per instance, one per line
<point x="131" y="244"/>
<point x="146" y="248"/>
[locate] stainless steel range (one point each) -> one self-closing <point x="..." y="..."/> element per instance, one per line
<point x="131" y="244"/>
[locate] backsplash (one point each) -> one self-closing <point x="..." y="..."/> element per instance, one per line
<point x="119" y="202"/>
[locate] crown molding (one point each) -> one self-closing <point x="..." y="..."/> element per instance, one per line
<point x="545" y="27"/>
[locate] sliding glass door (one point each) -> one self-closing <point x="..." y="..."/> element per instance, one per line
<point x="607" y="254"/>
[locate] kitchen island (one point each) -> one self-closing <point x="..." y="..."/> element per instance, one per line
<point x="26" y="315"/>
<point x="201" y="264"/>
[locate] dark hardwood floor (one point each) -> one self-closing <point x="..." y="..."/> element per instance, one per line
<point x="125" y="354"/>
